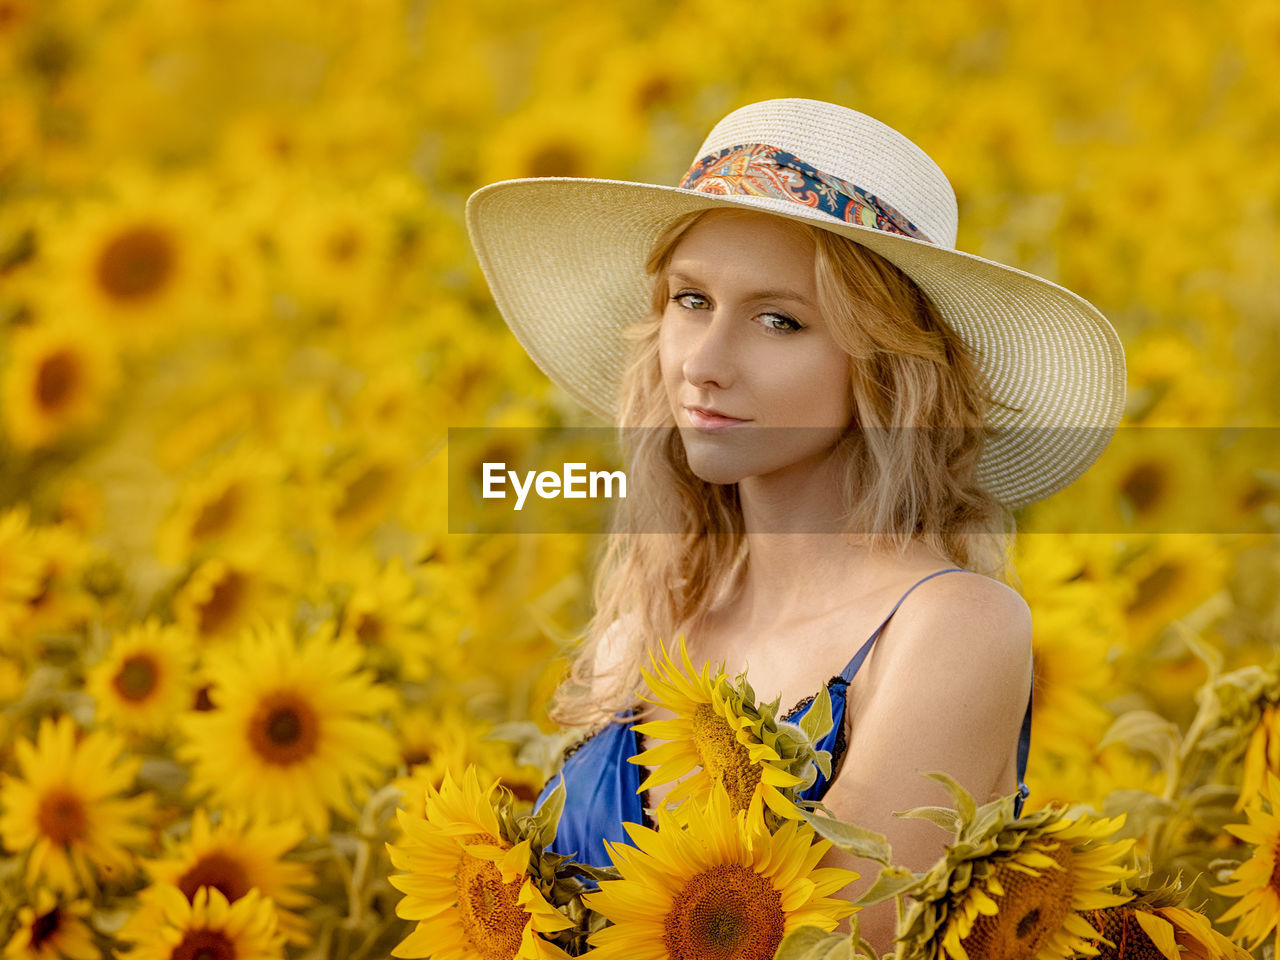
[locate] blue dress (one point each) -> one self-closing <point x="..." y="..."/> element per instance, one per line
<point x="602" y="788"/>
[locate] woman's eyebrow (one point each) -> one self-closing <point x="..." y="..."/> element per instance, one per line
<point x="774" y="293"/>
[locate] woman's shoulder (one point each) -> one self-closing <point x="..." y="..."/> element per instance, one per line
<point x="967" y="616"/>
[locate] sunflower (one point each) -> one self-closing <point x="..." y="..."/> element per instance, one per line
<point x="1170" y="383"/>
<point x="19" y="573"/>
<point x="59" y="378"/>
<point x="136" y="264"/>
<point x="213" y="422"/>
<point x="292" y="729"/>
<point x="549" y="139"/>
<point x="365" y="487"/>
<point x="221" y="597"/>
<point x="60" y="602"/>
<point x="1013" y="889"/>
<point x="1257" y="881"/>
<point x="1171" y="577"/>
<point x="721" y="887"/>
<point x="383" y="609"/>
<point x="1262" y="756"/>
<point x="1247" y="706"/>
<point x="712" y="731"/>
<point x="471" y="889"/>
<point x="1076" y="621"/>
<point x="144" y="681"/>
<point x="1072" y="675"/>
<point x="13" y="682"/>
<point x="208" y="927"/>
<point x="231" y="509"/>
<point x="233" y="857"/>
<point x="438" y="740"/>
<point x="49" y="929"/>
<point x="470" y="373"/>
<point x="1138" y="932"/>
<point x="335" y="248"/>
<point x="65" y="813"/>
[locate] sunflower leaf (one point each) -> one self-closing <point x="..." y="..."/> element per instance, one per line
<point x="1146" y="732"/>
<point x="944" y="817"/>
<point x="1210" y="655"/>
<point x="817" y="721"/>
<point x="965" y="805"/>
<point x="544" y="823"/>
<point x="851" y="838"/>
<point x="892" y="882"/>
<point x="814" y="943"/>
<point x="823" y="759"/>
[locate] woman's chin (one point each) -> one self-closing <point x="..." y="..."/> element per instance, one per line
<point x="713" y="468"/>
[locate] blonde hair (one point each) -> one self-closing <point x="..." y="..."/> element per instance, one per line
<point x="909" y="370"/>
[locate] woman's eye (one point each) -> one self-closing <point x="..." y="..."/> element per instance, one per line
<point x="780" y="322"/>
<point x="691" y="301"/>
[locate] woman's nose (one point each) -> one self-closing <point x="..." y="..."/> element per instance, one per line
<point x="710" y="360"/>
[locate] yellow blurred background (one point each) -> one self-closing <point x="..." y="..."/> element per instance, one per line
<point x="239" y="311"/>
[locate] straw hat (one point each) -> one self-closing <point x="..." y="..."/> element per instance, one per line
<point x="565" y="258"/>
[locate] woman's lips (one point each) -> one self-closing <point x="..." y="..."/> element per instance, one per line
<point x="709" y="421"/>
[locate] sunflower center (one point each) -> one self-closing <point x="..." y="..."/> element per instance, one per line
<point x="1120" y="926"/>
<point x="1274" y="879"/>
<point x="363" y="491"/>
<point x="1144" y="486"/>
<point x="217" y="515"/>
<point x="203" y="701"/>
<point x="57" y="379"/>
<point x="555" y="160"/>
<point x="727" y="912"/>
<point x="284" y="729"/>
<point x="62" y="817"/>
<point x="415" y="755"/>
<point x="45" y="927"/>
<point x="224" y="603"/>
<point x="724" y="759"/>
<point x="225" y="874"/>
<point x="343" y="245"/>
<point x="136" y="263"/>
<point x="369" y="630"/>
<point x="1155" y="586"/>
<point x="1032" y="909"/>
<point x="1027" y="922"/>
<point x="136" y="678"/>
<point x="491" y="916"/>
<point x="204" y="945"/>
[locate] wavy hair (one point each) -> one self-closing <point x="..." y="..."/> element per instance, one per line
<point x="900" y="482"/>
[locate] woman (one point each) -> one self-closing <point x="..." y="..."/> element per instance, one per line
<point x="856" y="407"/>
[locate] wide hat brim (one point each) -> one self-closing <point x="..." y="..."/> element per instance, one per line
<point x="564" y="259"/>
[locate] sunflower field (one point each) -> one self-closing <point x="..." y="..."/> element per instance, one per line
<point x="256" y="700"/>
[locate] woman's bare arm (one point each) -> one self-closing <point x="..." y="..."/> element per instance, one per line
<point x="947" y="689"/>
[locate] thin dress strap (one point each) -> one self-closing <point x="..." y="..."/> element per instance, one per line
<point x="856" y="663"/>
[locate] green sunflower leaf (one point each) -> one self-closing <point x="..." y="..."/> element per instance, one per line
<point x="944" y="817"/>
<point x="1141" y="808"/>
<point x="814" y="943"/>
<point x="965" y="805"/>
<point x="817" y="721"/>
<point x="544" y="823"/>
<point x="891" y="882"/>
<point x="1146" y="732"/>
<point x="851" y="838"/>
<point x="1209" y="654"/>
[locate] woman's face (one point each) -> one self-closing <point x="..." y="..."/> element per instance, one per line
<point x="741" y="335"/>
